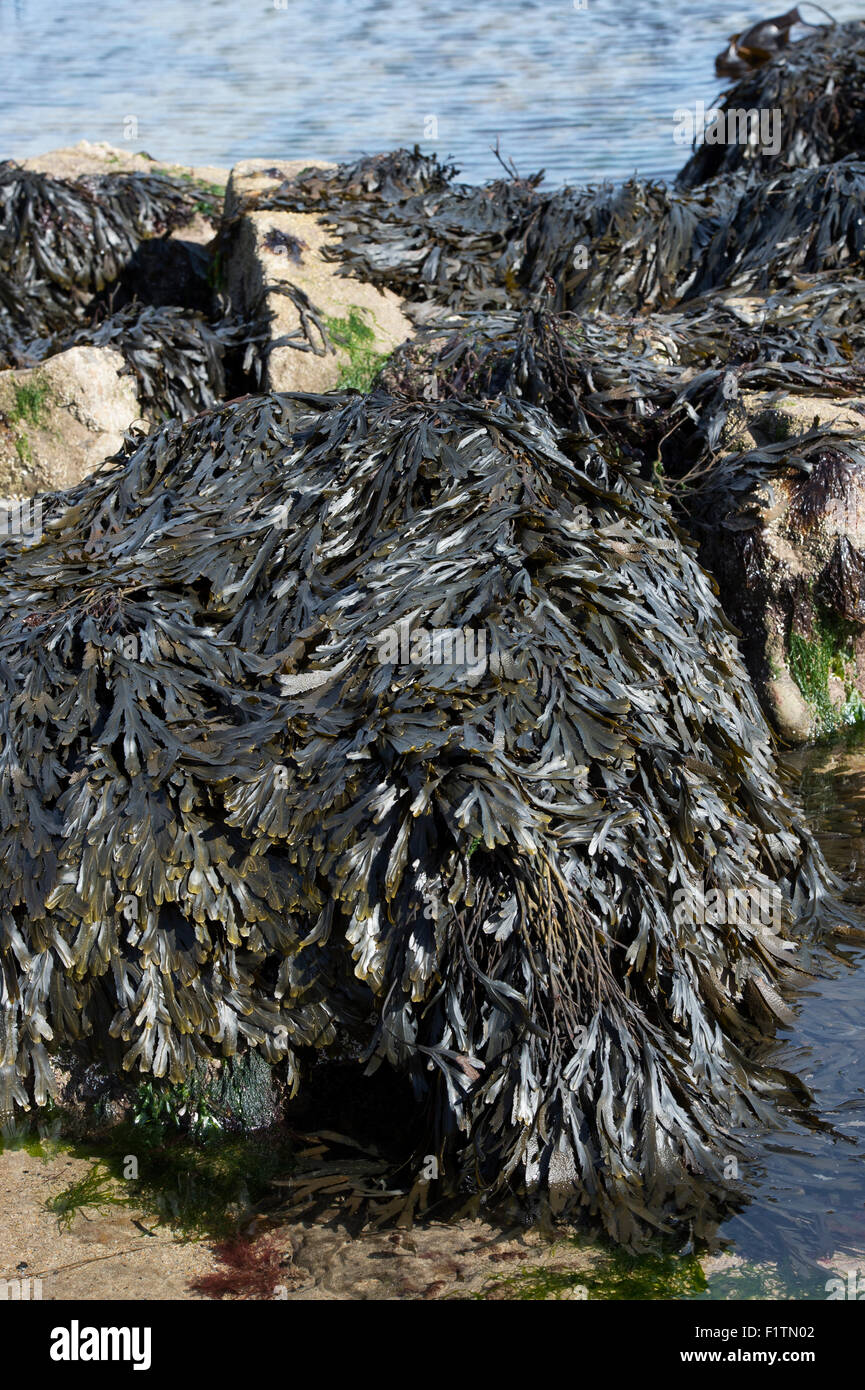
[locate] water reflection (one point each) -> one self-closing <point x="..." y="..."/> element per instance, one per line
<point x="808" y="1190"/>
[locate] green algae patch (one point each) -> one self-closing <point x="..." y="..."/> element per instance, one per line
<point x="814" y="660"/>
<point x="617" y="1276"/>
<point x="95" y="1192"/>
<point x="23" y="404"/>
<point x="43" y="1142"/>
<point x="30" y="401"/>
<point x="355" y="336"/>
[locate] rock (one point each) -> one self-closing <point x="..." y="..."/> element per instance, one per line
<point x="98" y="157"/>
<point x="92" y="1097"/>
<point x="252" y="177"/>
<point x="324" y="329"/>
<point x="760" y="418"/>
<point x="60" y="420"/>
<point x="792" y="569"/>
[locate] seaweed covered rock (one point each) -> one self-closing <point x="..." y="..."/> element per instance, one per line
<point x="417" y="725"/>
<point x="402" y="222"/>
<point x="320" y="328"/>
<point x="94" y="261"/>
<point x="742" y="407"/>
<point x="61" y="242"/>
<point x="782" y="525"/>
<point x="175" y="357"/>
<point x="817" y="86"/>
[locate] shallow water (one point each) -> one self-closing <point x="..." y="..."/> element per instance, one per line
<point x="807" y="1189"/>
<point x="587" y="93"/>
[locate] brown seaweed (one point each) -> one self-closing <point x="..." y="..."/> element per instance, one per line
<point x="817" y="85"/>
<point x="632" y="248"/>
<point x="227" y="822"/>
<point x="63" y="241"/>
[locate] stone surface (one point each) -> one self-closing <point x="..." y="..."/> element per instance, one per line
<point x="272" y="250"/>
<point x="59" y="421"/>
<point x="777" y="577"/>
<point x="252" y="177"/>
<point x="98" y="157"/>
<point x="759" y="418"/>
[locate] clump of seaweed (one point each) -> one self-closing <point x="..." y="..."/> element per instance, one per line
<point x="842" y="583"/>
<point x="232" y="818"/>
<point x="96" y="1191"/>
<point x="620" y="249"/>
<point x="832" y="476"/>
<point x="817" y="85"/>
<point x="235" y="1094"/>
<point x="662" y="387"/>
<point x="175" y="355"/>
<point x="63" y="241"/>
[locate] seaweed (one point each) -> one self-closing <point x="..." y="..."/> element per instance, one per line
<point x="842" y="584"/>
<point x="175" y="355"/>
<point x="634" y="247"/>
<point x="249" y="1269"/>
<point x="817" y="85"/>
<point x="96" y="1191"/>
<point x="231" y="821"/>
<point x="63" y="241"/>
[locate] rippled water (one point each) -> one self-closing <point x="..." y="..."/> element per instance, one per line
<point x="585" y="93"/>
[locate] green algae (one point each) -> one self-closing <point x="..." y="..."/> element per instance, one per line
<point x="237" y="1095"/>
<point x="826" y="653"/>
<point x="27" y="408"/>
<point x="95" y="1192"/>
<point x="659" y="1276"/>
<point x="615" y="1277"/>
<point x="30" y="399"/>
<point x="356" y="337"/>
